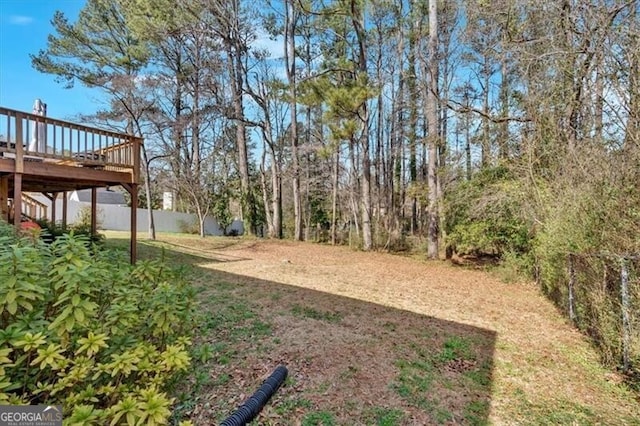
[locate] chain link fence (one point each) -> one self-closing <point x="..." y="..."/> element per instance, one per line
<point x="602" y="298"/>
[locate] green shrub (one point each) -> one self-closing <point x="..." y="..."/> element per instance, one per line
<point x="6" y="230"/>
<point x="90" y="332"/>
<point x="484" y="215"/>
<point x="82" y="224"/>
<point x="51" y="230"/>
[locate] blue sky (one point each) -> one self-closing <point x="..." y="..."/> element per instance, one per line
<point x="24" y="27"/>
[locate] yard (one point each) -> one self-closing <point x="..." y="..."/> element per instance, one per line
<point x="378" y="339"/>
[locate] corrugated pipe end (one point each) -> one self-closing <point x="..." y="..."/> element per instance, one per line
<point x="254" y="404"/>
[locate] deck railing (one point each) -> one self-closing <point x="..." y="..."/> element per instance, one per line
<point x="33" y="208"/>
<point x="30" y="135"/>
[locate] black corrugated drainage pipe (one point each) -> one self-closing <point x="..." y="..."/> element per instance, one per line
<point x="252" y="406"/>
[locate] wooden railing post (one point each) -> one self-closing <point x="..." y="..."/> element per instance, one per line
<point x="17" y="177"/>
<point x="137" y="146"/>
<point x="19" y="146"/>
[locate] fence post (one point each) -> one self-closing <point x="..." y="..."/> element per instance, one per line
<point x="572" y="281"/>
<point x="626" y="323"/>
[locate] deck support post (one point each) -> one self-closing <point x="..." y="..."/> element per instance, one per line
<point x="94" y="211"/>
<point x="54" y="197"/>
<point x="51" y="196"/>
<point x="64" y="209"/>
<point x="17" y="199"/>
<point x="4" y="198"/>
<point x="132" y="189"/>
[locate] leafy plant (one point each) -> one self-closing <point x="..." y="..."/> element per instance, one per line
<point x="89" y="331"/>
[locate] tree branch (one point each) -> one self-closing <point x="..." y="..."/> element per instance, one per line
<point x="463" y="109"/>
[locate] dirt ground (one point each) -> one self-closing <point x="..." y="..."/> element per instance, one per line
<point x="541" y="369"/>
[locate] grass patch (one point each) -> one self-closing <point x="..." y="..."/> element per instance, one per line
<point x="476" y="413"/>
<point x="454" y="348"/>
<point x="442" y="415"/>
<point x="414" y="382"/>
<point x="426" y="377"/>
<point x="319" y="418"/>
<point x="222" y="379"/>
<point x="556" y="412"/>
<point x="287" y="408"/>
<point x="230" y="318"/>
<point x="480" y="376"/>
<point x="383" y="416"/>
<point x="309" y="312"/>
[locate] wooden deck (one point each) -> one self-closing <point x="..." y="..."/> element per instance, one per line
<point x="49" y="156"/>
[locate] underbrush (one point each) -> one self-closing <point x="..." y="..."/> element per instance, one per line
<point x="82" y="328"/>
<point x="50" y="231"/>
<point x="590" y="231"/>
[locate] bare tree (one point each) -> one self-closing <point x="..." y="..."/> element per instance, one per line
<point x="432" y="125"/>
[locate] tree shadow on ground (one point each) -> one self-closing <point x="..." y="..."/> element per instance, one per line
<point x="350" y="362"/>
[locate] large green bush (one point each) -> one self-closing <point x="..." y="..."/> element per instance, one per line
<point x="485" y="215"/>
<point x="82" y="328"/>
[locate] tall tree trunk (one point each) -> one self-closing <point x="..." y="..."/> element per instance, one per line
<point x="276" y="200"/>
<point x="235" y="52"/>
<point x="571" y="81"/>
<point x="357" y="18"/>
<point x="290" y="60"/>
<point x="378" y="163"/>
<point x="413" y="113"/>
<point x="367" y="235"/>
<point x="265" y="193"/>
<point x="486" y="141"/>
<point x="443" y="113"/>
<point x="467" y="130"/>
<point x="598" y="112"/>
<point x="354" y="187"/>
<point x="504" y="99"/>
<point x="432" y="123"/>
<point x="394" y="179"/>
<point x="243" y="165"/>
<point x="147" y="189"/>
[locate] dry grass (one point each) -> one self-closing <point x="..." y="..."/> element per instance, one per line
<point x="372" y="338"/>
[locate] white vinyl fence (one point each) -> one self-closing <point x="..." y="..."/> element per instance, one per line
<point x="117" y="218"/>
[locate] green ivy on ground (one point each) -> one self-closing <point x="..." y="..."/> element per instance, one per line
<point x="82" y="328"/>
